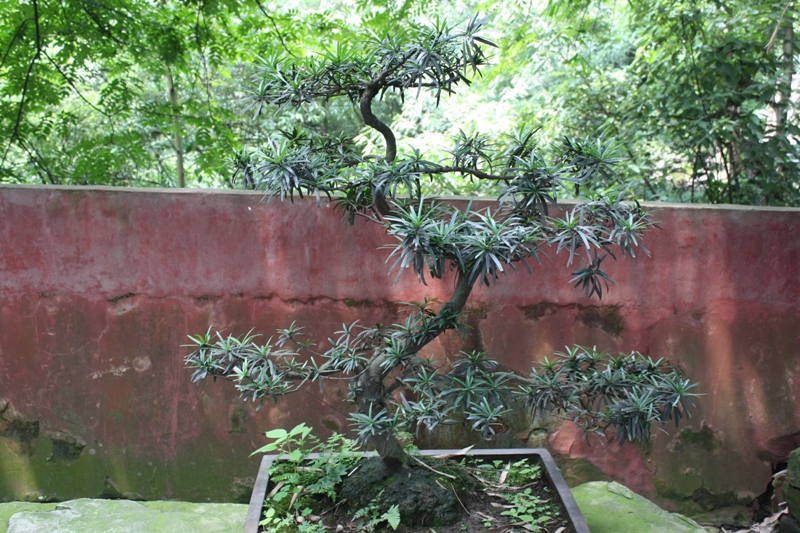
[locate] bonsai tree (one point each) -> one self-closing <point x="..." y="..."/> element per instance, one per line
<point x="391" y="385"/>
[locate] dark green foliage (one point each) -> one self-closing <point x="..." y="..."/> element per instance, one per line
<point x="699" y="92"/>
<point x="86" y="85"/>
<point x="599" y="392"/>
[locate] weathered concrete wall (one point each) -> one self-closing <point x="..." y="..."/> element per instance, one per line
<point x="100" y="287"/>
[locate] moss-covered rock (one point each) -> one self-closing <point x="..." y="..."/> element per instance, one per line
<point x="793" y="468"/>
<point x="792" y="490"/>
<point x="123" y="516"/>
<point x="7" y="510"/>
<point x="612" y="508"/>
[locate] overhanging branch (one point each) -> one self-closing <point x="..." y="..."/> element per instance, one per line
<point x="15" y="132"/>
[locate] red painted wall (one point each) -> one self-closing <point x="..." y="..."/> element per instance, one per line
<point x="100" y="287"/>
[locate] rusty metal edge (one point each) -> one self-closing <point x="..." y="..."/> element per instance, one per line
<point x="574" y="515"/>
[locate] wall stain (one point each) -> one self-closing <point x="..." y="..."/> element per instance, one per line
<point x="605" y="317"/>
<point x="238" y="419"/>
<point x="66" y="446"/>
<point x="21" y="430"/>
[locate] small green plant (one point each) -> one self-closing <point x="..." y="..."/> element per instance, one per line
<point x="294" y="444"/>
<point x="523" y="496"/>
<point x="374" y="516"/>
<point x="392" y="516"/>
<point x="528" y="508"/>
<point x="521" y="473"/>
<point x="299" y="484"/>
<point x="522" y="504"/>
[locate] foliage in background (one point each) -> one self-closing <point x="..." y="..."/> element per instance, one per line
<point x="145" y="92"/>
<point x="702" y="93"/>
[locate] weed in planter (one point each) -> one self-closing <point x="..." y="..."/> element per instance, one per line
<point x="526" y="508"/>
<point x="375" y="518"/>
<point x="524" y="497"/>
<point x="298" y="484"/>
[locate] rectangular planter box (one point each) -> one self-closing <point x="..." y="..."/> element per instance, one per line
<point x="574" y="515"/>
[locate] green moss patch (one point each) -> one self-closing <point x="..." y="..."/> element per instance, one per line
<point x="123" y="516"/>
<point x="613" y="508"/>
<point x="7" y="510"/>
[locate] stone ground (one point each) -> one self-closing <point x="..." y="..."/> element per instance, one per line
<point x="608" y="508"/>
<point x="121" y="516"/>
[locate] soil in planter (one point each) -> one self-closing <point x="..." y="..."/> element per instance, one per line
<point x="441" y="496"/>
<point x="423" y="497"/>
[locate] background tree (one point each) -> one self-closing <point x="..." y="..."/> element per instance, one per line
<point x="391" y="384"/>
<point x="138" y="92"/>
<point x="700" y="91"/>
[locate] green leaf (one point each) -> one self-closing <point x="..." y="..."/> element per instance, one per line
<point x="295" y="455"/>
<point x="266" y="449"/>
<point x="277" y="434"/>
<point x="392" y="516"/>
<point x="300" y="428"/>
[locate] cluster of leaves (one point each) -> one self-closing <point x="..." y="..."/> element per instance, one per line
<point x="618" y="396"/>
<point x="305" y="479"/>
<point x="414" y="57"/>
<point x="598" y="392"/>
<point x="473" y="390"/>
<point x="437" y="238"/>
<point x="375" y="517"/>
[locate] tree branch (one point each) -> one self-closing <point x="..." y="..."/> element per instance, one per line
<point x="367" y="95"/>
<point x="13" y="40"/>
<point x="178" y="140"/>
<point x="37" y="158"/>
<point x="378" y="198"/>
<point x="473" y="171"/>
<point x="452" y="307"/>
<point x="105" y="31"/>
<point x="275" y="27"/>
<point x="71" y="84"/>
<point x="15" y="132"/>
<point x="373" y="122"/>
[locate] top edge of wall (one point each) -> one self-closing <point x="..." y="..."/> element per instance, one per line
<point x="235" y="192"/>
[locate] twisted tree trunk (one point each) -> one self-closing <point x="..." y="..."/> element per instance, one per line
<point x="176" y="134"/>
<point x="370" y="383"/>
